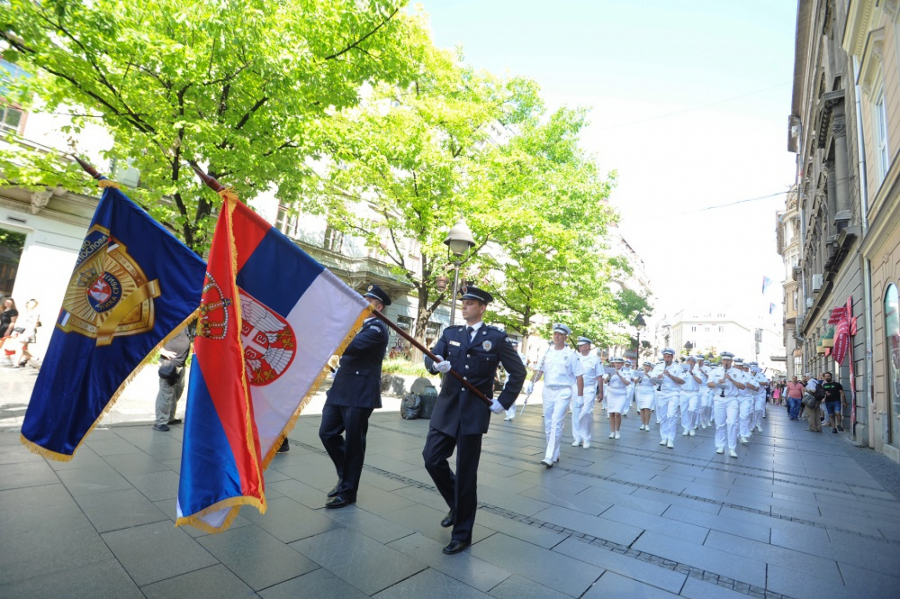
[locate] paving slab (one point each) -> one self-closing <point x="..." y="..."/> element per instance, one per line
<point x="106" y="578"/>
<point x="614" y="585"/>
<point x="463" y="567"/>
<point x="318" y="584"/>
<point x="432" y="584"/>
<point x="215" y="582"/>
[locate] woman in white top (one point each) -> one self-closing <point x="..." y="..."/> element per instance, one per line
<point x="616" y="396"/>
<point x="645" y="394"/>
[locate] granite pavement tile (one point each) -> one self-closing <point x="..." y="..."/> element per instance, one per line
<point x="366" y="564"/>
<point x="614" y="585"/>
<point x="432" y="584"/>
<point x="104" y="578"/>
<point x="608" y="530"/>
<point x="518" y="587"/>
<point x="215" y="582"/>
<point x="559" y="572"/>
<point x="463" y="567"/>
<point x="256" y="557"/>
<point x="26" y="474"/>
<point x="119" y="509"/>
<point x="318" y="584"/>
<point x="289" y="521"/>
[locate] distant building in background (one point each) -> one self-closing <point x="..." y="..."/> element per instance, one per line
<point x="639" y="282"/>
<point x="787" y="228"/>
<point x="724" y="330"/>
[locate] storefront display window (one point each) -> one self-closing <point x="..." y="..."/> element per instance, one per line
<point x="892" y="345"/>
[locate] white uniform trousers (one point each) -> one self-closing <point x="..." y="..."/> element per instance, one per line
<point x="556" y="403"/>
<point x="667" y="412"/>
<point x="759" y="405"/>
<point x="746" y="407"/>
<point x="727" y="414"/>
<point x="706" y="404"/>
<point x="583" y="417"/>
<point x="688" y="403"/>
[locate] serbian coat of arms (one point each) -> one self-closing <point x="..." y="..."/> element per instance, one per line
<point x="268" y="340"/>
<point x="108" y="295"/>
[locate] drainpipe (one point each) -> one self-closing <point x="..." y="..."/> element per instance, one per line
<point x="866" y="265"/>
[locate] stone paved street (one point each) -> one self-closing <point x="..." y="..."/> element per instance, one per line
<point x="797" y="515"/>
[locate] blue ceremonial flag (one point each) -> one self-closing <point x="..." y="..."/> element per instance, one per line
<point x="134" y="285"/>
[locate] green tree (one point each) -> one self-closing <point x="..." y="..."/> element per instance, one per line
<point x="552" y="201"/>
<point x="410" y="165"/>
<point x="240" y="88"/>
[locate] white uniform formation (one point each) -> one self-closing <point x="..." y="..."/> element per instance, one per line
<point x="730" y="396"/>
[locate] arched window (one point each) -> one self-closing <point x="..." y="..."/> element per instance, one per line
<point x="892" y="345"/>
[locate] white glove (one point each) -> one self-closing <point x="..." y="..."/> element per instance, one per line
<point x="579" y="401"/>
<point x="442" y="365"/>
<point x="496" y="407"/>
<point x="529" y="388"/>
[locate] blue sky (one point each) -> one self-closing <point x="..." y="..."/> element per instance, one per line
<point x="727" y="63"/>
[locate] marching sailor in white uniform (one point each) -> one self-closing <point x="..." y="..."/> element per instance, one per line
<point x="759" y="402"/>
<point x="668" y="378"/>
<point x="704" y="415"/>
<point x="583" y="417"/>
<point x="726" y="381"/>
<point x="689" y="398"/>
<point x="616" y="394"/>
<point x="645" y="394"/>
<point x="511" y="412"/>
<point x="746" y="398"/>
<point x="563" y="369"/>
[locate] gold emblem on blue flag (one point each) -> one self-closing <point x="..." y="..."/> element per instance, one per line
<point x="108" y="295"/>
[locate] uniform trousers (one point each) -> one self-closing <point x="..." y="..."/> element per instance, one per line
<point x="168" y="396"/>
<point x="689" y="403"/>
<point x="706" y="404"/>
<point x="347" y="454"/>
<point x="745" y="403"/>
<point x="727" y="410"/>
<point x="667" y="412"/>
<point x="556" y="403"/>
<point x="459" y="489"/>
<point x="759" y="406"/>
<point x="583" y="417"/>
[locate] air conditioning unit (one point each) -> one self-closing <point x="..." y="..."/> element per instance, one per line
<point x="816" y="284"/>
<point x="809" y="302"/>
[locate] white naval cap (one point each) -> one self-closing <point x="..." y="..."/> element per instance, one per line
<point x="616" y="359"/>
<point x="726" y="355"/>
<point x="647" y="363"/>
<point x="561" y="328"/>
<point x="583" y="341"/>
<point x="668" y="352"/>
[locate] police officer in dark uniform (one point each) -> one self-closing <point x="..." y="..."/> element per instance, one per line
<point x="355" y="393"/>
<point x="460" y="418"/>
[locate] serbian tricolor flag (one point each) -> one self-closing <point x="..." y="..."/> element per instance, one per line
<point x="271" y="317"/>
<point x="133" y="286"/>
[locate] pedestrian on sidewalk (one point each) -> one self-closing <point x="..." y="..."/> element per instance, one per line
<point x="25" y="334"/>
<point x="8" y="317"/>
<point x="812" y="404"/>
<point x="563" y="372"/>
<point x="173" y="356"/>
<point x="356" y="391"/>
<point x="794" y="391"/>
<point x="835" y="400"/>
<point x="460" y="419"/>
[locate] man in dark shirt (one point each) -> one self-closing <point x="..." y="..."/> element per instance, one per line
<point x="175" y="352"/>
<point x="834" y="402"/>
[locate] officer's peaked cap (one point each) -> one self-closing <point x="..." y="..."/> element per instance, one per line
<point x="726" y="355"/>
<point x="474" y="293"/>
<point x="377" y="293"/>
<point x="616" y="360"/>
<point x="583" y="340"/>
<point x="668" y="352"/>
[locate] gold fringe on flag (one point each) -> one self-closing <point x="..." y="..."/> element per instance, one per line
<point x="104" y="183"/>
<point x="64" y="457"/>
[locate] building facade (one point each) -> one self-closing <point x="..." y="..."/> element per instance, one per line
<point x="824" y="134"/>
<point x="872" y="41"/>
<point x="788" y="239"/>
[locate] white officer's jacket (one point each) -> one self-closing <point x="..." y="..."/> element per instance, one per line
<point x="718" y="373"/>
<point x="561" y="367"/>
<point x="668" y="385"/>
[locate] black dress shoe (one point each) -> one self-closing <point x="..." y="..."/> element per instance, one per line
<point x="338" y="502"/>
<point x="334" y="491"/>
<point x="456" y="546"/>
<point x="161" y="427"/>
<point x="175" y="421"/>
<point x="447" y="522"/>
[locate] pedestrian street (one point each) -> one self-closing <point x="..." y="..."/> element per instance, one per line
<point x="798" y="514"/>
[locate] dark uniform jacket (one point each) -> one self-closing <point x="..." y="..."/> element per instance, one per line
<point x="458" y="411"/>
<point x="357" y="382"/>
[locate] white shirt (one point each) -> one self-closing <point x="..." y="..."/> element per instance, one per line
<point x="475" y="328"/>
<point x="593" y="369"/>
<point x="690" y="385"/>
<point x="730" y="390"/>
<point x="561" y="367"/>
<point x="668" y="385"/>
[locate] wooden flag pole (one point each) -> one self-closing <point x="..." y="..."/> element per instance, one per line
<point x="425" y="351"/>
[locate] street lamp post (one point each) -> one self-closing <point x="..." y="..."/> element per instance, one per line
<point x="689" y="346"/>
<point x="459" y="240"/>
<point x="639" y="323"/>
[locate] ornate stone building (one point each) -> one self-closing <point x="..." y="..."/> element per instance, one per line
<point x="787" y="230"/>
<point x="823" y="132"/>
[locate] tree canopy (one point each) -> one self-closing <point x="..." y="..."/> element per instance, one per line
<point x="241" y="88"/>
